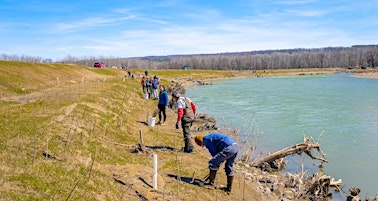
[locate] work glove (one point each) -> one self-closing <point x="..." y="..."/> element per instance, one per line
<point x="177" y="125"/>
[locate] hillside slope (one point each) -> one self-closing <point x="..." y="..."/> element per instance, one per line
<point x="71" y="133"/>
<point x="76" y="133"/>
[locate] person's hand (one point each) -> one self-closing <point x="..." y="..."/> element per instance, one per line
<point x="177" y="125"/>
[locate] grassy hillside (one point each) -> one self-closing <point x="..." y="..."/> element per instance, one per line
<point x="70" y="133"/>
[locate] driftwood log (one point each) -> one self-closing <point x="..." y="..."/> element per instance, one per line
<point x="305" y="147"/>
<point x="319" y="185"/>
<point x="314" y="187"/>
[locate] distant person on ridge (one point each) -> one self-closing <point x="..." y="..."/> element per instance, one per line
<point x="154" y="86"/>
<point x="162" y="104"/>
<point x="222" y="148"/>
<point x="148" y="86"/>
<point x="186" y="111"/>
<point x="143" y="83"/>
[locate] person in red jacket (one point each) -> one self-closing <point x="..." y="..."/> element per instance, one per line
<point x="186" y="111"/>
<point x="143" y="83"/>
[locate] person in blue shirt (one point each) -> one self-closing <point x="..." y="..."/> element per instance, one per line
<point x="222" y="148"/>
<point x="162" y="104"/>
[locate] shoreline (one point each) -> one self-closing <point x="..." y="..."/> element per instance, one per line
<point x="97" y="128"/>
<point x="359" y="73"/>
<point x="373" y="74"/>
<point x="337" y="195"/>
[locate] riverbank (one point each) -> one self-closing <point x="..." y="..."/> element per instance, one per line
<point x="195" y="80"/>
<point x="77" y="137"/>
<point x="205" y="95"/>
<point x="273" y="185"/>
<point x="372" y="73"/>
<point x="74" y="137"/>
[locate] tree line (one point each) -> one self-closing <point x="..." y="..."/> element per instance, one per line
<point x="358" y="56"/>
<point x="24" y="58"/>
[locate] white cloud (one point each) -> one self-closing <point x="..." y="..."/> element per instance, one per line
<point x="308" y="13"/>
<point x="88" y="23"/>
<point x="184" y="28"/>
<point x="295" y="2"/>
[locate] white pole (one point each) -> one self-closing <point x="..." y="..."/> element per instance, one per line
<point x="155" y="172"/>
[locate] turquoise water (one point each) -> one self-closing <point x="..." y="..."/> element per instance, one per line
<point x="340" y="108"/>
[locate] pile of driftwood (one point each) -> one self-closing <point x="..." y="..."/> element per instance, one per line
<point x="304" y="186"/>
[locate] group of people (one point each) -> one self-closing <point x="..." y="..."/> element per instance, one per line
<point x="150" y="86"/>
<point x="222" y="147"/>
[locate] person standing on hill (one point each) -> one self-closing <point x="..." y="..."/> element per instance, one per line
<point x="149" y="86"/>
<point x="143" y="83"/>
<point x="222" y="148"/>
<point x="162" y="104"/>
<point x="186" y="111"/>
<point x="154" y="86"/>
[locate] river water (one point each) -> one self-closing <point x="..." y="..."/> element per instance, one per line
<point x="276" y="112"/>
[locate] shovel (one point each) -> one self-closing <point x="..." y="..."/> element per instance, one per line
<point x="199" y="182"/>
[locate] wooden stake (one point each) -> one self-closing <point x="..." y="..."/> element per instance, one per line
<point x="140" y="137"/>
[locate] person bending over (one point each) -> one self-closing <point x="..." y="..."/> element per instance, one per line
<point x="222" y="148"/>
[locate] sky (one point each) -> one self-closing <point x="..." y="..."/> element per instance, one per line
<point x="56" y="29"/>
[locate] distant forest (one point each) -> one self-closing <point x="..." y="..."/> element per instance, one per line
<point x="358" y="56"/>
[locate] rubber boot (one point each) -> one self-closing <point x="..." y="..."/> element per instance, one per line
<point x="190" y="150"/>
<point x="230" y="179"/>
<point x="210" y="184"/>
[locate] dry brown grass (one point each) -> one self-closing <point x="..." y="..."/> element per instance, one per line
<point x="88" y="120"/>
<point x="65" y="137"/>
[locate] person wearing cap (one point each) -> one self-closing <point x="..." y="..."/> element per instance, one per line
<point x="186" y="111"/>
<point x="222" y="148"/>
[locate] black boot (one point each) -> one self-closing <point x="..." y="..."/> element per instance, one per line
<point x="190" y="149"/>
<point x="187" y="150"/>
<point x="230" y="179"/>
<point x="210" y="184"/>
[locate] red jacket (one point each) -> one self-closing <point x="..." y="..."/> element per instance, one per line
<point x="143" y="81"/>
<point x="181" y="106"/>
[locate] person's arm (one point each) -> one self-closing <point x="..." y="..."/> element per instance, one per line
<point x="193" y="107"/>
<point x="166" y="98"/>
<point x="180" y="114"/>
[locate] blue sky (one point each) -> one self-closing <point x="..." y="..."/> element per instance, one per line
<point x="124" y="28"/>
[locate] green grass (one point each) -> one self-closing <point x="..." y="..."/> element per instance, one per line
<point x="73" y="122"/>
<point x="46" y="123"/>
<point x="77" y="122"/>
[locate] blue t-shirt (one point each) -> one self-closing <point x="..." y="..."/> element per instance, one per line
<point x="155" y="83"/>
<point x="216" y="142"/>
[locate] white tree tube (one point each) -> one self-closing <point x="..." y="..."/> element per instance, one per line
<point x="155" y="172"/>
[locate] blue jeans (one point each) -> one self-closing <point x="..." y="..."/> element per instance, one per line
<point x="228" y="154"/>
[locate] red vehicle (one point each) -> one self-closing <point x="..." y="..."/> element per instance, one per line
<point x="99" y="65"/>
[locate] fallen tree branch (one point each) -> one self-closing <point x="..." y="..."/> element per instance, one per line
<point x="304" y="147"/>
